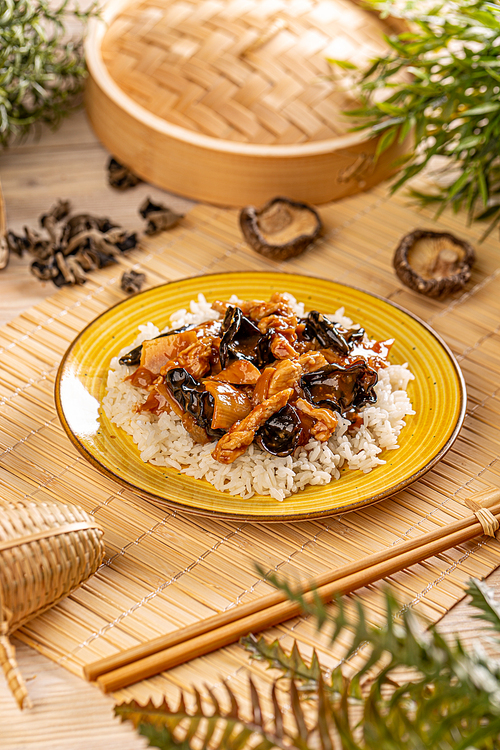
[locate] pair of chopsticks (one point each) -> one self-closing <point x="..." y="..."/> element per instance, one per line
<point x="165" y="652"/>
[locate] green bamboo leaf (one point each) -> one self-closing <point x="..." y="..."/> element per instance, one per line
<point x="482" y="733"/>
<point x="489" y="20"/>
<point x="458" y="184"/>
<point x="344" y="64"/>
<point x="389" y="109"/>
<point x="386" y="124"/>
<point x="386" y="140"/>
<point x="408" y="125"/>
<point x="481" y="109"/>
<point x="490" y="212"/>
<point x="483" y="187"/>
<point x="470" y="141"/>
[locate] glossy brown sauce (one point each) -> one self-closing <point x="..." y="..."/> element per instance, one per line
<point x="142" y="378"/>
<point x="241" y="387"/>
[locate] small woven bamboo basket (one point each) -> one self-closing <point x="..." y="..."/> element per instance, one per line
<point x="234" y="102"/>
<point x="46" y="552"/>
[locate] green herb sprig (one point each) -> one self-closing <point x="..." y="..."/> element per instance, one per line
<point x="442" y="77"/>
<point x="452" y="701"/>
<point x="41" y="72"/>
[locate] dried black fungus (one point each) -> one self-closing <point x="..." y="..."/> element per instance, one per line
<point x="58" y="212"/>
<point x="51" y="221"/>
<point x="72" y="245"/>
<point x="339" y="387"/>
<point x="241" y="339"/>
<point x="132" y="281"/>
<point x="38" y="246"/>
<point x="120" y="176"/>
<point x="17" y="244"/>
<point x="280" y="435"/>
<point x="133" y="357"/>
<point x="192" y="396"/>
<point x="127" y="241"/>
<point x="330" y="335"/>
<point x="158" y="216"/>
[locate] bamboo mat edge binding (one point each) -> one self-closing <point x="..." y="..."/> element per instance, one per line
<point x="165" y="569"/>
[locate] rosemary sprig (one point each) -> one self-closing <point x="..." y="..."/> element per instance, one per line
<point x="443" y="79"/>
<point x="41" y="72"/>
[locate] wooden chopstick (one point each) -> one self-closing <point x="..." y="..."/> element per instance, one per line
<point x="95" y="669"/>
<point x="220" y="630"/>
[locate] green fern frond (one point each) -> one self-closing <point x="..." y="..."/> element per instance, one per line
<point x="292" y="664"/>
<point x="175" y="728"/>
<point x="445" y="698"/>
<point x="483" y="598"/>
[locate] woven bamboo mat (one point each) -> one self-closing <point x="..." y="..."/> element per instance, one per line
<point x="164" y="570"/>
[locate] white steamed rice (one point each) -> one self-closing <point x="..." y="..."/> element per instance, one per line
<point x="163" y="441"/>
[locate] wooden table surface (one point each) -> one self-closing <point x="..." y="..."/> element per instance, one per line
<point x="70" y="163"/>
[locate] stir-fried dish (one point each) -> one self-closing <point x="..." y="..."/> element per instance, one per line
<point x="259" y="373"/>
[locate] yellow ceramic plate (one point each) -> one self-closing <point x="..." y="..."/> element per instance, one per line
<point x="437" y="394"/>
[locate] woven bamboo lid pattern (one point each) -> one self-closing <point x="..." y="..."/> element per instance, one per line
<point x="46" y="551"/>
<point x="3" y="224"/>
<point x="232" y="101"/>
<point x="253" y="71"/>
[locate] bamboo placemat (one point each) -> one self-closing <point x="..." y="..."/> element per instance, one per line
<point x="163" y="569"/>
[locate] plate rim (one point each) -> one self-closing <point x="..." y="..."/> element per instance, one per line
<point x="161" y="501"/>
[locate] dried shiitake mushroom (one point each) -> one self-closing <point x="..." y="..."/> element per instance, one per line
<point x="433" y="263"/>
<point x="281" y="229"/>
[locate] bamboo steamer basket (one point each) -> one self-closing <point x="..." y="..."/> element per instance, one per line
<point x="230" y="101"/>
<point x="3" y="220"/>
<point x="46" y="551"/>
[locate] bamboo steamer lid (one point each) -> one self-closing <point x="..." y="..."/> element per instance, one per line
<point x="3" y="222"/>
<point x="231" y="101"/>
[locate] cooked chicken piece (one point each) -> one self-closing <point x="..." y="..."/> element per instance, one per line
<point x="256" y="309"/>
<point x="283" y="323"/>
<point x="282" y="348"/>
<point x="326" y="420"/>
<point x="195" y="359"/>
<point x="278" y="297"/>
<point x="312" y="361"/>
<point x="235" y="442"/>
<point x="245" y="306"/>
<point x="264" y="309"/>
<point x="286" y="374"/>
